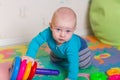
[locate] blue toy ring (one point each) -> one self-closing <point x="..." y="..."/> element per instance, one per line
<point x="15" y="68"/>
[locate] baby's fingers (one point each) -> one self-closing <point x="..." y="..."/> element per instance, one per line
<point x="29" y="59"/>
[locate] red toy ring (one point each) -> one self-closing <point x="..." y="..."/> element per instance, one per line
<point x="32" y="72"/>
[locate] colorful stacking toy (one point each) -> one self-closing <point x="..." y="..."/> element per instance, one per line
<point x="114" y="73"/>
<point x="21" y="70"/>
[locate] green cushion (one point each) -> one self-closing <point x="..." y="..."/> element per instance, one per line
<point x="105" y="20"/>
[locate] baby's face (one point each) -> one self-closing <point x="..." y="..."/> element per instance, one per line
<point x="62" y="30"/>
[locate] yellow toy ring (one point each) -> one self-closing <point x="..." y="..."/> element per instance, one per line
<point x="27" y="71"/>
<point x="113" y="71"/>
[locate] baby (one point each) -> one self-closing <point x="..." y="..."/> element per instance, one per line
<point x="64" y="44"/>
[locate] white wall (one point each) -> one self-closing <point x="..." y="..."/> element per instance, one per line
<point x="21" y="20"/>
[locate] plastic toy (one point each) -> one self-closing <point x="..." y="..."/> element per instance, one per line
<point x="98" y="76"/>
<point x="113" y="71"/>
<point x="21" y="70"/>
<point x="114" y="77"/>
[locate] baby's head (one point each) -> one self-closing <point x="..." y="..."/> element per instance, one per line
<point x="65" y="17"/>
<point x="63" y="24"/>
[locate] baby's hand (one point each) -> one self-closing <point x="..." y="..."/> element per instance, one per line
<point x="29" y="59"/>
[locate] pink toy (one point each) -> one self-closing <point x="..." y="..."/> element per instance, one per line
<point x="22" y="70"/>
<point x="114" y="77"/>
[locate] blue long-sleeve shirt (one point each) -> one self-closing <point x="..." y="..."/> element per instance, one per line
<point x="68" y="50"/>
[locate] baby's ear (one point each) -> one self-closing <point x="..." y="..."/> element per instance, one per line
<point x="50" y="25"/>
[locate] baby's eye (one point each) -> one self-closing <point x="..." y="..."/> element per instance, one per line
<point x="58" y="29"/>
<point x="68" y="30"/>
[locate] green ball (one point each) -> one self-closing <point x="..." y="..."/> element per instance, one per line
<point x="98" y="76"/>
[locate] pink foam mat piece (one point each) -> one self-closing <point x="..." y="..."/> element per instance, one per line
<point x="4" y="70"/>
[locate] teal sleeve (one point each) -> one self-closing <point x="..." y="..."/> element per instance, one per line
<point x="73" y="67"/>
<point x="37" y="42"/>
<point x="73" y="48"/>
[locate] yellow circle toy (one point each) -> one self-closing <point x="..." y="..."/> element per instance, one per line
<point x="27" y="71"/>
<point x="113" y="71"/>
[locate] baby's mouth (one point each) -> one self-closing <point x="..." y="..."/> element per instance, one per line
<point x="61" y="39"/>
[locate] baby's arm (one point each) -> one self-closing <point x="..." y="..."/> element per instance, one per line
<point x="73" y="67"/>
<point x="36" y="42"/>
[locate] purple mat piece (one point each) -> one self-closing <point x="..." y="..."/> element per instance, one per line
<point x="112" y="61"/>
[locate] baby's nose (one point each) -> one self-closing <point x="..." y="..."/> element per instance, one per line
<point x="62" y="34"/>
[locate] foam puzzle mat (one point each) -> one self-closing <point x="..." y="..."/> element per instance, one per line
<point x="104" y="57"/>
